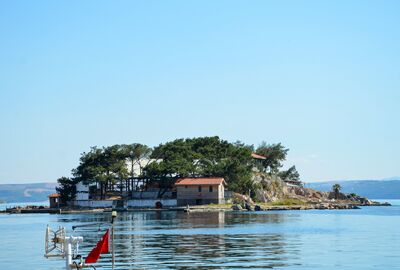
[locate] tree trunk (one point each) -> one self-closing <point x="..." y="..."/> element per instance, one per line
<point x="161" y="192"/>
<point x="101" y="191"/>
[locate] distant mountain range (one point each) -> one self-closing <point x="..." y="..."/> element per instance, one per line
<point x="37" y="192"/>
<point x="373" y="189"/>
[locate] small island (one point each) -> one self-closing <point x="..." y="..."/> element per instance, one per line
<point x="197" y="174"/>
<point x="204" y="173"/>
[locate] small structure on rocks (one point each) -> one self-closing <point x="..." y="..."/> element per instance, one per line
<point x="54" y="200"/>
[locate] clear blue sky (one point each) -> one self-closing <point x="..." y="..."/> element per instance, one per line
<point x="322" y="77"/>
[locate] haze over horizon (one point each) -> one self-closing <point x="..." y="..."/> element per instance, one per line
<point x="322" y="78"/>
<point x="321" y="181"/>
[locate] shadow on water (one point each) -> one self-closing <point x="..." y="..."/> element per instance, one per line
<point x="177" y="240"/>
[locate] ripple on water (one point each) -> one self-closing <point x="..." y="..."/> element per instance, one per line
<point x="347" y="239"/>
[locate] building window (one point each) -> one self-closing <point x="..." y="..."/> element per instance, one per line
<point x="199" y="188"/>
<point x="185" y="186"/>
<point x="210" y="189"/>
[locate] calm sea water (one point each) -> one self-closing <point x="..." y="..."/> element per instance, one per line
<point x="319" y="239"/>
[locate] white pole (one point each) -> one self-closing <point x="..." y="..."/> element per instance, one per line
<point x="68" y="254"/>
<point x="113" y="216"/>
<point x="69" y="241"/>
<point x="113" y="247"/>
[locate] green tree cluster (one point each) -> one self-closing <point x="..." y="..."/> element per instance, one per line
<point x="107" y="166"/>
<point x="66" y="189"/>
<point x="113" y="166"/>
<point x="275" y="155"/>
<point x="290" y="174"/>
<point x="202" y="157"/>
<point x="336" y="190"/>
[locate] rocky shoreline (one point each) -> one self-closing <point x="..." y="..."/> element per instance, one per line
<point x="203" y="208"/>
<point x="319" y="206"/>
<point x="275" y="195"/>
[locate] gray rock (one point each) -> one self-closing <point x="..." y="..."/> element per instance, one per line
<point x="248" y="207"/>
<point x="258" y="208"/>
<point x="236" y="207"/>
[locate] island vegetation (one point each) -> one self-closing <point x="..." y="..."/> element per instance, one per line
<point x="336" y="190"/>
<point x="252" y="174"/>
<point x="112" y="167"/>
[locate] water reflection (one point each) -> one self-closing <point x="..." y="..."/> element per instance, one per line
<point x="365" y="239"/>
<point x="177" y="240"/>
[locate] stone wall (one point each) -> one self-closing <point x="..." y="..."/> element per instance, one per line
<point x="93" y="203"/>
<point x="150" y="195"/>
<point x="150" y="203"/>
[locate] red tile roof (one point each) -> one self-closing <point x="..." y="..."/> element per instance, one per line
<point x="199" y="181"/>
<point x="54" y="195"/>
<point x="257" y="156"/>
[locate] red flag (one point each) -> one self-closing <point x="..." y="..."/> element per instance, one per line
<point x="105" y="247"/>
<point x="101" y="247"/>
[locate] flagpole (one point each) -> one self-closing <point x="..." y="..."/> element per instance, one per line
<point x="113" y="216"/>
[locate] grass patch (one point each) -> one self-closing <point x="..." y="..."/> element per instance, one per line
<point x="213" y="205"/>
<point x="289" y="201"/>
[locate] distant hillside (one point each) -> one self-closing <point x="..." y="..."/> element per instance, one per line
<point x="37" y="192"/>
<point x="373" y="189"/>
